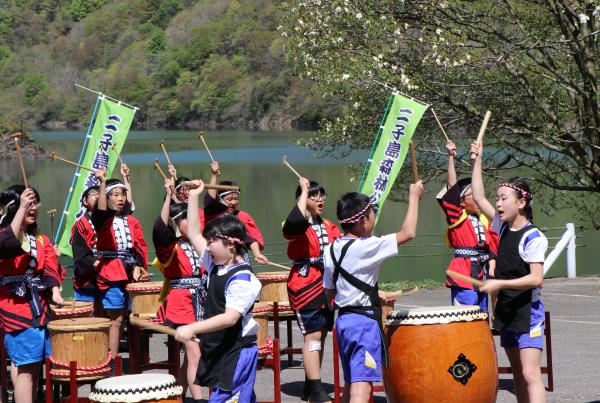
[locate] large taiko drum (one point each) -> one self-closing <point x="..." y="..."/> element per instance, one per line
<point x="83" y="340"/>
<point x="144" y="297"/>
<point x="78" y="309"/>
<point x="274" y="286"/>
<point x="387" y="306"/>
<point x="440" y="354"/>
<point x="147" y="388"/>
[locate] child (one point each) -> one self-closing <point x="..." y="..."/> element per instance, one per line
<point x="217" y="203"/>
<point x="350" y="278"/>
<point x="121" y="251"/>
<point x="308" y="234"/>
<point x="181" y="193"/>
<point x="186" y="280"/>
<point x="469" y="234"/>
<point x="229" y="351"/>
<point x="519" y="275"/>
<point x="28" y="271"/>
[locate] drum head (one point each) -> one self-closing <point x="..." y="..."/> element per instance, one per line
<point x="435" y="315"/>
<point x="136" y="388"/>
<point x="79" y="324"/>
<point x="145" y="286"/>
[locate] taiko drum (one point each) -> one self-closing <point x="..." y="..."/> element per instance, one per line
<point x="144" y="297"/>
<point x="274" y="286"/>
<point x="143" y="388"/>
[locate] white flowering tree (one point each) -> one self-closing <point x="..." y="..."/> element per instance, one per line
<point x="532" y="63"/>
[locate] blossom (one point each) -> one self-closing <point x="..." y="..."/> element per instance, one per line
<point x="345" y="76"/>
<point x="583" y="18"/>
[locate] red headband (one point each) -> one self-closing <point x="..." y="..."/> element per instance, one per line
<point x="525" y="194"/>
<point x="231" y="239"/>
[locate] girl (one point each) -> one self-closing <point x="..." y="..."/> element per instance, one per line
<point x="186" y="279"/>
<point x="308" y="234"/>
<point x="229" y="351"/>
<point x="121" y="251"/>
<point x="181" y="193"/>
<point x="28" y="273"/>
<point x="217" y="203"/>
<point x="519" y="274"/>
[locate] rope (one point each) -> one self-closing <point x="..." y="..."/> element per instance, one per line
<point x="102" y="365"/>
<point x="266" y="348"/>
<point x="62" y="373"/>
<point x="270" y="309"/>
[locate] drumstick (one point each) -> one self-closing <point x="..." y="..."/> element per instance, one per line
<point x="192" y="185"/>
<point x="201" y="137"/>
<point x="53" y="157"/>
<point x="157" y="167"/>
<point x="51" y="214"/>
<point x="162" y="146"/>
<point x="20" y="157"/>
<point x="484" y="124"/>
<point x="443" y="131"/>
<point x="280" y="266"/>
<point x="465" y="278"/>
<point x="406" y="291"/>
<point x="114" y="147"/>
<point x="287" y="164"/>
<point x="155" y="326"/>
<point x="413" y="160"/>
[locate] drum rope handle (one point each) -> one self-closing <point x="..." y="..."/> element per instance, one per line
<point x="143" y="289"/>
<point x="266" y="348"/>
<point x="70" y="311"/>
<point x="64" y="372"/>
<point x="270" y="309"/>
<point x="96" y="367"/>
<point x="271" y="278"/>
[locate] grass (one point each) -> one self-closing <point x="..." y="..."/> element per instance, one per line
<point x="403" y="284"/>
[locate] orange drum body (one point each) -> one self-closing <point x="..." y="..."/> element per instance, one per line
<point x="387" y="306"/>
<point x="442" y="354"/>
<point x="146" y="388"/>
<point x="80" y="309"/>
<point x="84" y="340"/>
<point x="274" y="286"/>
<point x="145" y="297"/>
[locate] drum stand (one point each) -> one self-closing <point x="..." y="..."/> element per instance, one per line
<point x="275" y="363"/>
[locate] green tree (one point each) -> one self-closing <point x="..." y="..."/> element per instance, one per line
<point x="532" y="63"/>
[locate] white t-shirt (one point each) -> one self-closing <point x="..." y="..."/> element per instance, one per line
<point x="241" y="292"/>
<point x="533" y="244"/>
<point x="362" y="260"/>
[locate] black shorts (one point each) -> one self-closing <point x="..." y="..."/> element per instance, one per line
<point x="314" y="320"/>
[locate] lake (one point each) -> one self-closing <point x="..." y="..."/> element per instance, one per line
<point x="253" y="160"/>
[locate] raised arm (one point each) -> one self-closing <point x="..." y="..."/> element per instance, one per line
<point x="193" y="218"/>
<point x="451" y="149"/>
<point x="102" y="203"/>
<point x="409" y="227"/>
<point x="477" y="182"/>
<point x="302" y="200"/>
<point x="170" y="189"/>
<point x="25" y="201"/>
<point x="215" y="171"/>
<point x="127" y="182"/>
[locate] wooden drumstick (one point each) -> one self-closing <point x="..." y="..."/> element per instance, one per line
<point x="192" y="185"/>
<point x="287" y="164"/>
<point x="465" y="278"/>
<point x="53" y="157"/>
<point x="406" y="291"/>
<point x="155" y="326"/>
<point x="413" y="160"/>
<point x="201" y="137"/>
<point x="162" y="146"/>
<point x="114" y="147"/>
<point x="280" y="266"/>
<point x="482" y="129"/>
<point x="51" y="214"/>
<point x="442" y="127"/>
<point x="20" y="157"/>
<point x="157" y="167"/>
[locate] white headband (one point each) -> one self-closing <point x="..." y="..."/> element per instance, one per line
<point x="115" y="186"/>
<point x="178" y="215"/>
<point x="228" y="192"/>
<point x="6" y="210"/>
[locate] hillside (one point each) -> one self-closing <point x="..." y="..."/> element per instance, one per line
<point x="185" y="64"/>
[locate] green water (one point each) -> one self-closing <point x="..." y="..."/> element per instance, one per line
<point x="253" y="160"/>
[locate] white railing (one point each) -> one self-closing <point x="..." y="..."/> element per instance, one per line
<point x="566" y="241"/>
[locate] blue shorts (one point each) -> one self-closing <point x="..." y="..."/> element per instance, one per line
<point x="464" y="296"/>
<point x="532" y="339"/>
<point x="314" y="320"/>
<point x="27" y="346"/>
<point x="243" y="380"/>
<point x="359" y="340"/>
<point x="86" y="294"/>
<point x="115" y="297"/>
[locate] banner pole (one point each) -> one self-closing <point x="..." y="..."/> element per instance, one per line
<point x="77" y="170"/>
<point x="368" y="164"/>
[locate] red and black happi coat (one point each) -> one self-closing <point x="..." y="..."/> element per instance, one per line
<point x="213" y="208"/>
<point x="473" y="241"/>
<point x="26" y="279"/>
<point x="305" y="248"/>
<point x="120" y="247"/>
<point x="83" y="243"/>
<point x="187" y="279"/>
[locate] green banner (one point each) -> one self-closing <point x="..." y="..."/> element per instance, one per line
<point x="111" y="127"/>
<point x="400" y="121"/>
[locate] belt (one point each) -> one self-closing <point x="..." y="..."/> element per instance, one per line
<point x="197" y="287"/>
<point x="26" y="285"/>
<point x="126" y="257"/>
<point x="307" y="263"/>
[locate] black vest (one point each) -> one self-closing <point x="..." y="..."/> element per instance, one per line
<point x="221" y="349"/>
<point x="513" y="309"/>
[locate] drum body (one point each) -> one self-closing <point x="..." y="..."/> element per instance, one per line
<point x="442" y="354"/>
<point x="144" y="298"/>
<point x="274" y="286"/>
<point x="84" y="340"/>
<point x="387" y="306"/>
<point x="147" y="388"/>
<point x="79" y="309"/>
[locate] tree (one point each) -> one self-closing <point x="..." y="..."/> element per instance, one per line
<point x="532" y="63"/>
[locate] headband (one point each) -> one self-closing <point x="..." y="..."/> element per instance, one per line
<point x="179" y="187"/>
<point x="525" y="194"/>
<point x="176" y="216"/>
<point x="6" y="206"/>
<point x="356" y="217"/>
<point x="231" y="239"/>
<point x="227" y="192"/>
<point x="115" y="186"/>
<point x="462" y="192"/>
